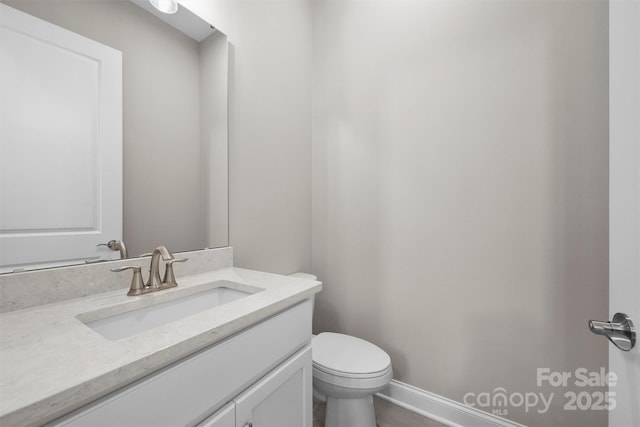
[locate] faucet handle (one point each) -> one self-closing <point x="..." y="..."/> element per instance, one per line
<point x="172" y="260"/>
<point x="137" y="284"/>
<point x="125" y="268"/>
<point x="169" y="280"/>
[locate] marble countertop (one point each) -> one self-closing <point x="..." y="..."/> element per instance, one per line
<point x="52" y="363"/>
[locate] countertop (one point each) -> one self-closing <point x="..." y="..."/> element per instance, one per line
<point x="52" y="363"/>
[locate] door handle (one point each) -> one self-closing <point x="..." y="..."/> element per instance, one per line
<point x="620" y="331"/>
<point x="116" y="245"/>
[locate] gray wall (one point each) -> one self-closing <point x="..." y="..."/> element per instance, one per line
<point x="460" y="175"/>
<point x="269" y="129"/>
<point x="161" y="97"/>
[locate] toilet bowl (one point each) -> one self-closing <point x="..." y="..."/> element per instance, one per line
<point x="347" y="371"/>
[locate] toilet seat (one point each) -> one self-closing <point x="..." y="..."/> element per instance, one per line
<point x="351" y="362"/>
<point x="327" y="371"/>
<point x="353" y="383"/>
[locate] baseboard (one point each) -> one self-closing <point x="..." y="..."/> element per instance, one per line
<point x="441" y="409"/>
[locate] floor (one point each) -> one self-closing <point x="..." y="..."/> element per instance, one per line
<point x="387" y="415"/>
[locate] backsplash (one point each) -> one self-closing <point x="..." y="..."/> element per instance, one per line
<point x="37" y="287"/>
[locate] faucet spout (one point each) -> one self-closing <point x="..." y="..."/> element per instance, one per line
<point x="154" y="275"/>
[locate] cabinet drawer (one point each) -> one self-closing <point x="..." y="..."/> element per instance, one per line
<point x="225" y="417"/>
<point x="187" y="391"/>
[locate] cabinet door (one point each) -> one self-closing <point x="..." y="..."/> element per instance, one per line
<point x="283" y="398"/>
<point x="225" y="417"/>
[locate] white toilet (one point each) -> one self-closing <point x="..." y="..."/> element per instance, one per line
<point x="347" y="371"/>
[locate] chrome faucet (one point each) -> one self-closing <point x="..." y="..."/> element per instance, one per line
<point x="154" y="283"/>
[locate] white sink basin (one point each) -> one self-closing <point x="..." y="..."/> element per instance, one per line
<point x="132" y="322"/>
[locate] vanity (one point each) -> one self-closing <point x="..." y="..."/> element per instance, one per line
<point x="226" y="347"/>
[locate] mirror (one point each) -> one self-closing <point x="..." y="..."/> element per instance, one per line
<point x="174" y="124"/>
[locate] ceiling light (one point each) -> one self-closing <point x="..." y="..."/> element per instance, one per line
<point x="165" y="6"/>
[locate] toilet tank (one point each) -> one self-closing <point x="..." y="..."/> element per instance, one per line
<point x="307" y="276"/>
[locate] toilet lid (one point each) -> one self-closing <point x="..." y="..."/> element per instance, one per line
<point x="347" y="354"/>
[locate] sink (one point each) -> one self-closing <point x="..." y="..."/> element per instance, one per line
<point x="135" y="321"/>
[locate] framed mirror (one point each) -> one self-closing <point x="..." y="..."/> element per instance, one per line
<point x="174" y="168"/>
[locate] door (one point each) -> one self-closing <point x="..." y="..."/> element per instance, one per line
<point x="60" y="144"/>
<point x="282" y="398"/>
<point x="624" y="208"/>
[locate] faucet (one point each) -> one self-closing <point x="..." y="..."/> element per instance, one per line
<point x="155" y="283"/>
<point x="154" y="274"/>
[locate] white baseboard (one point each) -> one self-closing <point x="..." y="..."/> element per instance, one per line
<point x="441" y="409"/>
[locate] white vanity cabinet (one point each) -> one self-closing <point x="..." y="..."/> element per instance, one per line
<point x="260" y="377"/>
<point x="225" y="417"/>
<point x="280" y="399"/>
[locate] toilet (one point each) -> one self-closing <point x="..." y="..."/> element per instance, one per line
<point x="347" y="372"/>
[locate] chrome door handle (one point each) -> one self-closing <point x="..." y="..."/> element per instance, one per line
<point x="620" y="331"/>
